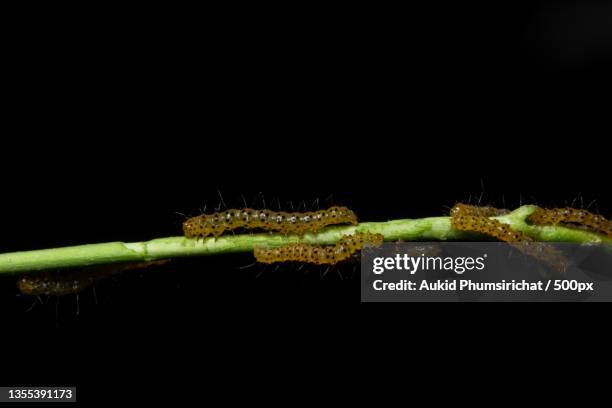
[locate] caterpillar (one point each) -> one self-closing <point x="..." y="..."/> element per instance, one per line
<point x="598" y="223"/>
<point x="471" y="218"/>
<point x="298" y="223"/>
<point x="319" y="255"/>
<point x="461" y="209"/>
<point x="60" y="283"/>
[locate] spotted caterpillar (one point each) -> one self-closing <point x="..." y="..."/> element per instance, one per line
<point x="471" y="218"/>
<point x="486" y="211"/>
<point x="598" y="223"/>
<point x="60" y="283"/>
<point x="284" y="222"/>
<point x="319" y="255"/>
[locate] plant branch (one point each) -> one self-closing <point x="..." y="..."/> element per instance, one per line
<point x="423" y="229"/>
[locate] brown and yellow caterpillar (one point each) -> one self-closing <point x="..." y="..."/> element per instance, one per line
<point x="471" y="218"/>
<point x="60" y="283"/>
<point x="298" y="223"/>
<point x="316" y="254"/>
<point x="466" y="217"/>
<point x="553" y="216"/>
<point x="461" y="209"/>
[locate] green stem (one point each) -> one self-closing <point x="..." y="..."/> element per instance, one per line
<point x="424" y="229"/>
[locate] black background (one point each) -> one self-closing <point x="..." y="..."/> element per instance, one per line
<point x="114" y="127"/>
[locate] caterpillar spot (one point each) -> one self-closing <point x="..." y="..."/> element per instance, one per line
<point x="60" y="283"/>
<point x="553" y="216"/>
<point x="217" y="224"/>
<point x="319" y="255"/>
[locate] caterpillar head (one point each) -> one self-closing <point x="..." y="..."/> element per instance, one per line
<point x="191" y="228"/>
<point x="27" y="285"/>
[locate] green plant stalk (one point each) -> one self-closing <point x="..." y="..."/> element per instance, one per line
<point x="423" y="229"/>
